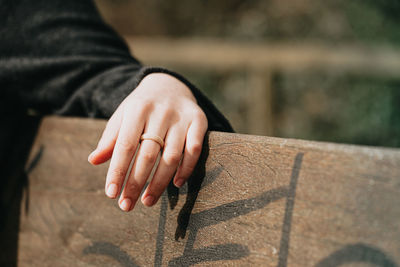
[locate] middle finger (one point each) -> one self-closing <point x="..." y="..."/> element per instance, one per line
<point x="171" y="156"/>
<point x="142" y="167"/>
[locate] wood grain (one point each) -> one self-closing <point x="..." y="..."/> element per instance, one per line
<point x="253" y="201"/>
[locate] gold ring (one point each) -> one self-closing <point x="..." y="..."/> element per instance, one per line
<point x="153" y="137"/>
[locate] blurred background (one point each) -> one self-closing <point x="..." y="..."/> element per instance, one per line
<point x="310" y="69"/>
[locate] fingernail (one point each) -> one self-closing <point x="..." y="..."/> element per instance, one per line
<point x="126" y="204"/>
<point x="179" y="182"/>
<point x="148" y="201"/>
<point x="112" y="190"/>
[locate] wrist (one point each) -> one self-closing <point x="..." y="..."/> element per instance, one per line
<point x="164" y="80"/>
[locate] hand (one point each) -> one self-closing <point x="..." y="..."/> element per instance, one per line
<point x="160" y="105"/>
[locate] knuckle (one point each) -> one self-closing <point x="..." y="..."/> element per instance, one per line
<point x="133" y="187"/>
<point x="117" y="173"/>
<point x="168" y="113"/>
<point x="149" y="157"/>
<point x="195" y="149"/>
<point x="199" y="115"/>
<point x="157" y="188"/>
<point x="187" y="171"/>
<point x="126" y="145"/>
<point x="146" y="105"/>
<point x="172" y="157"/>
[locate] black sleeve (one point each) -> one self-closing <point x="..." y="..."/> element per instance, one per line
<point x="58" y="57"/>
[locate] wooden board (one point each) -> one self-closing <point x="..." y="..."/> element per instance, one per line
<point x="220" y="55"/>
<point x="253" y="201"/>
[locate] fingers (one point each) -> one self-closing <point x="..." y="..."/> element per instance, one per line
<point x="171" y="156"/>
<point x="143" y="165"/>
<point x="169" y="162"/>
<point x="193" y="147"/>
<point x="124" y="150"/>
<point x="163" y="106"/>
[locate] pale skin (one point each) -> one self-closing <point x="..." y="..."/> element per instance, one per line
<point x="160" y="105"/>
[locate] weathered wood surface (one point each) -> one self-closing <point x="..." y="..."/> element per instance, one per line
<point x="263" y="202"/>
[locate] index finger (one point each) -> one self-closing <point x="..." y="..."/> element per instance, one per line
<point x="125" y="147"/>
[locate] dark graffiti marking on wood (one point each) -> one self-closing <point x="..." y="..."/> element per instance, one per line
<point x="287" y="221"/>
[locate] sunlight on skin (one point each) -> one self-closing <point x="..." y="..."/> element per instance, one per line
<point x="163" y="106"/>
